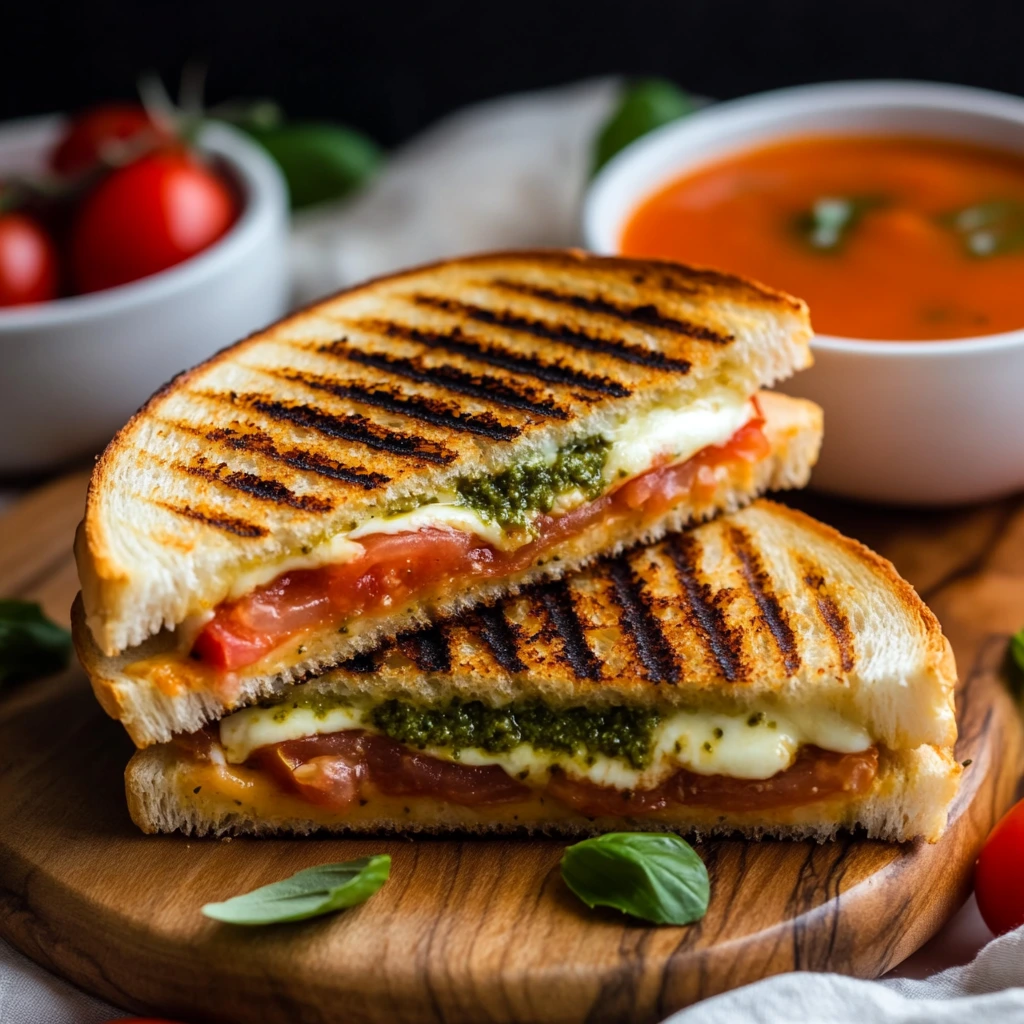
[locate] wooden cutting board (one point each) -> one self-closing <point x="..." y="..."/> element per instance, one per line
<point x="472" y="930"/>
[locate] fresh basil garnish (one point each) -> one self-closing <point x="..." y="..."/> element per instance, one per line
<point x="644" y="105"/>
<point x="827" y="225"/>
<point x="992" y="228"/>
<point x="31" y="645"/>
<point x="320" y="161"/>
<point x="654" y="876"/>
<point x="308" y="893"/>
<point x="1017" y="650"/>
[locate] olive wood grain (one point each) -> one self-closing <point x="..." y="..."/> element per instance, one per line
<point x="473" y="929"/>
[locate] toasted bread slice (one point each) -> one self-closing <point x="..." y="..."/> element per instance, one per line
<point x="749" y="639"/>
<point x="391" y="392"/>
<point x="153" y="707"/>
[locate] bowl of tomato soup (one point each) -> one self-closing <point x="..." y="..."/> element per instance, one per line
<point x="896" y="210"/>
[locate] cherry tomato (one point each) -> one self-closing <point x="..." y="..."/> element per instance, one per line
<point x="998" y="880"/>
<point x="146" y="217"/>
<point x="28" y="261"/>
<point x="91" y="132"/>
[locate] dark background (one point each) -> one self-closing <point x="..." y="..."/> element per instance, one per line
<point x="391" y="67"/>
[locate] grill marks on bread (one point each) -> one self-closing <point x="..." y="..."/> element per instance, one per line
<point x="760" y="585"/>
<point x="525" y="364"/>
<point x="481" y="386"/>
<point x="252" y="439"/>
<point x="428" y="648"/>
<point x="696" y="606"/>
<point x="353" y="428"/>
<point x="414" y="407"/>
<point x="218" y="520"/>
<point x="831" y="615"/>
<point x="705" y="609"/>
<point x="565" y="625"/>
<point x="640" y="625"/>
<point x="265" y="489"/>
<point x="644" y="314"/>
<point x="561" y="333"/>
<point x="429" y="366"/>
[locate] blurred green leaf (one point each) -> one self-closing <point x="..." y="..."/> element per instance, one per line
<point x="992" y="228"/>
<point x="1017" y="650"/>
<point x="320" y="161"/>
<point x="30" y="644"/>
<point x="829" y="222"/>
<point x="645" y="104"/>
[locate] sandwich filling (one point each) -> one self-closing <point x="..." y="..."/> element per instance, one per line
<point x="335" y="752"/>
<point x="483" y="527"/>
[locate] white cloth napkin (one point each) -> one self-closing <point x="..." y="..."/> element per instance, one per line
<point x="511" y="173"/>
<point x="987" y="988"/>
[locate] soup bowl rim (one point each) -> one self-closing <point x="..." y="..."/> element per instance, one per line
<point x="628" y="173"/>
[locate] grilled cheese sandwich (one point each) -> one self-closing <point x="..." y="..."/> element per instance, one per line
<point x="414" y="445"/>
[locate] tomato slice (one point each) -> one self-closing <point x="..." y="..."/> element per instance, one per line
<point x="398" y="771"/>
<point x="331" y="770"/>
<point x="325" y="770"/>
<point x="391" y="568"/>
<point x="592" y="799"/>
<point x="815" y="775"/>
<point x="659" y="489"/>
<point x="334" y="771"/>
<point x="394" y="568"/>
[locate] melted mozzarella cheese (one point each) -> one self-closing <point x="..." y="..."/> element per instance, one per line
<point x="455" y="517"/>
<point x="638" y="443"/>
<point x="754" y="745"/>
<point x="244" y="731"/>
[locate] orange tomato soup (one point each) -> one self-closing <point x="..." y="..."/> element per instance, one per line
<point x="884" y="237"/>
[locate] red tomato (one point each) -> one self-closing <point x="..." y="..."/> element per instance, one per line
<point x="90" y="133"/>
<point x="392" y="567"/>
<point x="325" y="770"/>
<point x="398" y="771"/>
<point x="28" y="262"/>
<point x="998" y="880"/>
<point x="146" y="217"/>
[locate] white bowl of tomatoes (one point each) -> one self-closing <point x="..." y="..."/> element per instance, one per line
<point x="115" y="276"/>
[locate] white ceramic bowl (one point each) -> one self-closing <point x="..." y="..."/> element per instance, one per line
<point x="918" y="422"/>
<point x="72" y="371"/>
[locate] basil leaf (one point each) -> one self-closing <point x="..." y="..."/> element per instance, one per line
<point x="1017" y="650"/>
<point x="644" y="105"/>
<point x="827" y="225"/>
<point x="319" y="161"/>
<point x="30" y="644"/>
<point x="308" y="893"/>
<point x="654" y="876"/>
<point x="992" y="228"/>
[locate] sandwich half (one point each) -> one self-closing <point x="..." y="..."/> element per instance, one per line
<point x="415" y="445"/>
<point x="759" y="674"/>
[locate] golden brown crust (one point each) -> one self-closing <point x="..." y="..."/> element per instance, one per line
<point x="939" y="651"/>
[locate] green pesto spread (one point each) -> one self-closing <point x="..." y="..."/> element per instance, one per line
<point x="509" y="498"/>
<point x="620" y="732"/>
